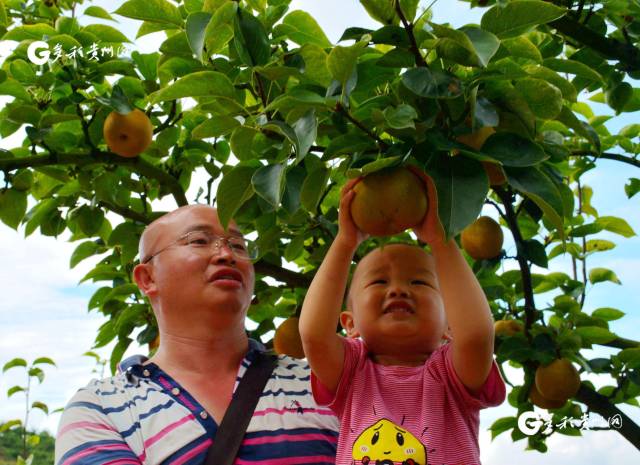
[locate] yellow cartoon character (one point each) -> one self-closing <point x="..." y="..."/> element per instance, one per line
<point x="385" y="443"/>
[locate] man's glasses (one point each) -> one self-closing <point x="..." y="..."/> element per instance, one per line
<point x="205" y="241"/>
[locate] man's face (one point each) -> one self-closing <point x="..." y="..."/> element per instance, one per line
<point x="189" y="276"/>
<point x="395" y="299"/>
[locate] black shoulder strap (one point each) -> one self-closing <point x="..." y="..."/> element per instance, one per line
<point x="236" y="419"/>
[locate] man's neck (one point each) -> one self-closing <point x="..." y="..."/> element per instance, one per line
<point x="193" y="356"/>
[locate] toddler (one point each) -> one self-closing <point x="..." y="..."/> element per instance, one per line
<point x="406" y="391"/>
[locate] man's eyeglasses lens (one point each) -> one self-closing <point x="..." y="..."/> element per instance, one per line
<point x="240" y="247"/>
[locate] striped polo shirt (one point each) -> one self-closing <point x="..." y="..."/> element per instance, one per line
<point x="143" y="416"/>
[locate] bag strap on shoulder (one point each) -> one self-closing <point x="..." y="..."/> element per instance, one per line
<point x="236" y="419"/>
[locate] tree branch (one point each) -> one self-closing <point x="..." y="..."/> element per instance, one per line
<point x="609" y="48"/>
<point x="415" y="49"/>
<point x="125" y="212"/>
<point x="601" y="405"/>
<point x="98" y="157"/>
<point x="381" y="144"/>
<point x="622" y="343"/>
<point x="290" y="278"/>
<point x="608" y="156"/>
<point x="527" y="285"/>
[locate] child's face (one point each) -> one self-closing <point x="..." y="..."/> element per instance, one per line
<point x="394" y="302"/>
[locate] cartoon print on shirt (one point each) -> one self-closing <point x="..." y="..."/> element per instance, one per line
<point x="385" y="443"/>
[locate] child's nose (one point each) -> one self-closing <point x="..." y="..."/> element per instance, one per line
<point x="398" y="291"/>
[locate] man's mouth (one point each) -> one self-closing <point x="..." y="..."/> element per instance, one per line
<point x="226" y="274"/>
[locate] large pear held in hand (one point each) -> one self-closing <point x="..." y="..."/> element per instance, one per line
<point x="128" y="135"/>
<point x="389" y="201"/>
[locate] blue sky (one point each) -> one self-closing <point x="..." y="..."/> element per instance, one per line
<point x="43" y="309"/>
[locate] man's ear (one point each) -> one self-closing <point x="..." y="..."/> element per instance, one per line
<point x="143" y="276"/>
<point x="346" y="320"/>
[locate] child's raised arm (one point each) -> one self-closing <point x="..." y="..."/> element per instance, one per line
<point x="323" y="302"/>
<point x="466" y="306"/>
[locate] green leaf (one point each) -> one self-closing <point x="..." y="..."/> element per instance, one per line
<point x="599" y="245"/>
<point x="539" y="188"/>
<point x="632" y="188"/>
<point x="155" y="11"/>
<point x="44" y="360"/>
<point x="347" y="143"/>
<point x="13" y="88"/>
<point x="316" y="68"/>
<point x="306" y="130"/>
<point x="98" y="12"/>
<point x="37" y="373"/>
<point x="30" y="32"/>
<point x="544" y="99"/>
<point x="40" y="406"/>
<point x="242" y="142"/>
<point x="303" y="29"/>
<point x="400" y="117"/>
<point x="484" y="43"/>
<point x="374" y="166"/>
<point x="615" y="225"/>
<point x="569" y="119"/>
<point x="219" y="31"/>
<point x="3" y="15"/>
<point x="234" y="190"/>
<point x="573" y="67"/>
<point x="313" y="187"/>
<point x="381" y="10"/>
<point x="268" y="182"/>
<point x="431" y="84"/>
<point x="250" y="39"/>
<point x="106" y="33"/>
<point x="13" y="206"/>
<point x="608" y="314"/>
<point x="595" y="334"/>
<point x="599" y="275"/>
<point x="516" y="18"/>
<point x="503" y="425"/>
<point x="14" y="390"/>
<point x="522" y="47"/>
<point x="216" y="126"/>
<point x="630" y="356"/>
<point x="9" y="424"/>
<point x="342" y="61"/>
<point x="462" y="186"/>
<point x="535" y="252"/>
<point x="196" y="28"/>
<point x="198" y="84"/>
<point x="513" y="150"/>
<point x="84" y="250"/>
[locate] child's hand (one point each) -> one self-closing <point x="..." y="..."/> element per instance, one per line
<point x="431" y="230"/>
<point x="348" y="232"/>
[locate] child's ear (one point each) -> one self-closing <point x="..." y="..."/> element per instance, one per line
<point x="346" y="320"/>
<point x="447" y="337"/>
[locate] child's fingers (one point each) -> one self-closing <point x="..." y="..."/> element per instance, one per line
<point x="349" y="185"/>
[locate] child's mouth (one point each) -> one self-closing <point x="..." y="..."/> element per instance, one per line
<point x="399" y="307"/>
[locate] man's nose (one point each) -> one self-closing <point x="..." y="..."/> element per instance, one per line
<point x="222" y="252"/>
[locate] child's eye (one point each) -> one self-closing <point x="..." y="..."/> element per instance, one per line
<point x="419" y="282"/>
<point x="379" y="281"/>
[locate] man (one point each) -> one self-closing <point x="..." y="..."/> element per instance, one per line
<point x="199" y="280"/>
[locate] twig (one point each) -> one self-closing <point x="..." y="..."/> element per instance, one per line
<point x="608" y="156"/>
<point x="415" y="49"/>
<point x="381" y="144"/>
